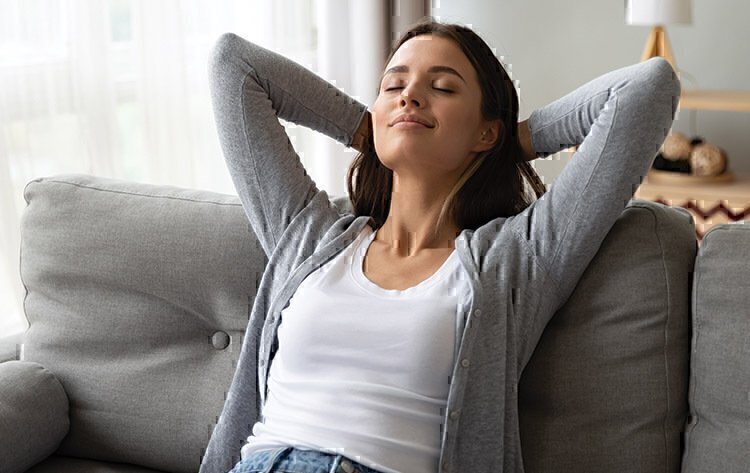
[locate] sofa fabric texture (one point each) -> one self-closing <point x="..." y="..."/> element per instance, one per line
<point x="138" y="297"/>
<point x="609" y="376"/>
<point x="33" y="414"/>
<point x="63" y="464"/>
<point x="718" y="436"/>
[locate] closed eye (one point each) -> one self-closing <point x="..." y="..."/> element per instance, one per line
<point x="436" y="88"/>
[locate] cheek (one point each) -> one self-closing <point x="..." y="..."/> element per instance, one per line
<point x="462" y="114"/>
<point x="379" y="109"/>
<point x="379" y="118"/>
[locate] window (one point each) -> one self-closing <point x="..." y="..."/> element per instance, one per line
<point x="118" y="88"/>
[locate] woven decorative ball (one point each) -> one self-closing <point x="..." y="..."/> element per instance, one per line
<point x="707" y="160"/>
<point x="676" y="146"/>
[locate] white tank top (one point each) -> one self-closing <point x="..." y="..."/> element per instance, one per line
<point x="364" y="371"/>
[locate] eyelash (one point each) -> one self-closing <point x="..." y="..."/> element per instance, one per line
<point x="436" y="88"/>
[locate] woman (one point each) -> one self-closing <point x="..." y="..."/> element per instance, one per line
<point x="408" y="323"/>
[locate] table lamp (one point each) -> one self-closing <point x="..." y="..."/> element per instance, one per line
<point x="657" y="13"/>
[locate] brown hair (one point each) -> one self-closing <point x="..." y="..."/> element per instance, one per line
<point x="493" y="185"/>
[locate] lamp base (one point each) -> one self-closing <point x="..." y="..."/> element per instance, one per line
<point x="658" y="45"/>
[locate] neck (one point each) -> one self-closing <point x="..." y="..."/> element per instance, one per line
<point x="409" y="228"/>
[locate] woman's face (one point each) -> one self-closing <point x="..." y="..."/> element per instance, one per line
<point x="430" y="77"/>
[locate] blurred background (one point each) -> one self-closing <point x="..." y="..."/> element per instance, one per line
<point x="118" y="88"/>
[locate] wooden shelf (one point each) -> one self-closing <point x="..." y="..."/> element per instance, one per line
<point x="736" y="189"/>
<point x="710" y="204"/>
<point x="727" y="100"/>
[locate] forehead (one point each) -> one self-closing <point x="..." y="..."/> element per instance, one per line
<point x="427" y="50"/>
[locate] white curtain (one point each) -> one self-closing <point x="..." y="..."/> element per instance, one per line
<point x="118" y="88"/>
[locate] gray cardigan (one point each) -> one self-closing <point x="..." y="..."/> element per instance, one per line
<point x="523" y="268"/>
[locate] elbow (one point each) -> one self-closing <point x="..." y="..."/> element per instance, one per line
<point x="225" y="45"/>
<point x="222" y="52"/>
<point x="661" y="80"/>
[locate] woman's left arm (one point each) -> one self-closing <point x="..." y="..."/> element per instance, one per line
<point x="618" y="121"/>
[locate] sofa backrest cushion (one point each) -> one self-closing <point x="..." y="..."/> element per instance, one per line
<point x="606" y="388"/>
<point x="138" y="297"/>
<point x="718" y="435"/>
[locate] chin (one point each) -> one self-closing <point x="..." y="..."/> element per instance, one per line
<point x="404" y="162"/>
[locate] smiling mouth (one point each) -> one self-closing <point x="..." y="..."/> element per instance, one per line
<point x="410" y="125"/>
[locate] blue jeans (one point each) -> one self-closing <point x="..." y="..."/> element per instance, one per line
<point x="292" y="460"/>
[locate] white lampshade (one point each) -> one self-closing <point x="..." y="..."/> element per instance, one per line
<point x="658" y="12"/>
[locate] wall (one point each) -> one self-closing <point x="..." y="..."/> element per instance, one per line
<point x="552" y="47"/>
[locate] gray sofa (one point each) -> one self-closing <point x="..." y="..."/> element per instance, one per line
<point x="138" y="296"/>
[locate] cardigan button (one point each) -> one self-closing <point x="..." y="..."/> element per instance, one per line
<point x="445" y="465"/>
<point x="465" y="363"/>
<point x="453" y="415"/>
<point x="220" y="340"/>
<point x="478" y="312"/>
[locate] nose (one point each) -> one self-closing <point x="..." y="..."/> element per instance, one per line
<point x="406" y="97"/>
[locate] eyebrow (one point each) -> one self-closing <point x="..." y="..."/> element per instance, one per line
<point x="403" y="68"/>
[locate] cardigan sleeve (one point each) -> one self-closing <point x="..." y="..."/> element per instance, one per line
<point x="619" y="119"/>
<point x="251" y="87"/>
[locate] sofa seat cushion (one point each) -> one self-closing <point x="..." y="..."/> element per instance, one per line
<point x="606" y="387"/>
<point x="62" y="464"/>
<point x="718" y="435"/>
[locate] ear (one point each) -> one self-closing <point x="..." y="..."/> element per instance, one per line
<point x="488" y="135"/>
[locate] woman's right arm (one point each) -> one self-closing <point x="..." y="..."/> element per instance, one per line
<point x="251" y="88"/>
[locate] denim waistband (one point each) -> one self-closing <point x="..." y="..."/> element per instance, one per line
<point x="293" y="460"/>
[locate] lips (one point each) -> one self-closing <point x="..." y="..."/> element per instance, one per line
<point x="412" y="118"/>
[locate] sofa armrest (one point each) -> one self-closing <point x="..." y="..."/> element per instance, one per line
<point x="33" y="414"/>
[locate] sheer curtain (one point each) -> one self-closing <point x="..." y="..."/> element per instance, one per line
<point x="118" y="88"/>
